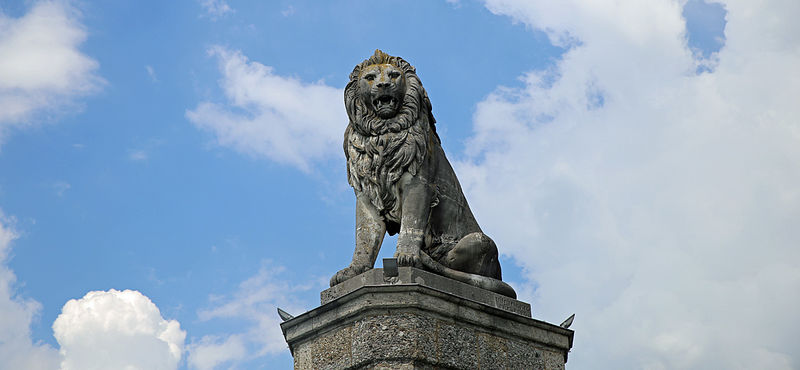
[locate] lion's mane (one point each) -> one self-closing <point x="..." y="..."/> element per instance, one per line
<point x="379" y="151"/>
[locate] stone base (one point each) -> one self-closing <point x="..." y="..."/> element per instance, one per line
<point x="419" y="320"/>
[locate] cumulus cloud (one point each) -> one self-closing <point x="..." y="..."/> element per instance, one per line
<point x="102" y="330"/>
<point x="255" y="302"/>
<point x="41" y="67"/>
<point x="658" y="203"/>
<point x="271" y="116"/>
<point x="17" y="351"/>
<point x="117" y="330"/>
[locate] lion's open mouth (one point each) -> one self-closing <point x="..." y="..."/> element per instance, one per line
<point x="384" y="101"/>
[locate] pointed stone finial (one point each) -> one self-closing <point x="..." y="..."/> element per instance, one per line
<point x="285" y="316"/>
<point x="566" y="324"/>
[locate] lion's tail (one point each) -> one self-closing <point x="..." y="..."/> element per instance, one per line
<point x="485" y="282"/>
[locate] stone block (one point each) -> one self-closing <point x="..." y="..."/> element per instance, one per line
<point x="332" y="350"/>
<point x="492" y="352"/>
<point x="418" y="321"/>
<point x="402" y="335"/>
<point x="457" y="345"/>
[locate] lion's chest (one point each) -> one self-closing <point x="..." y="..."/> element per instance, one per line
<point x="376" y="164"/>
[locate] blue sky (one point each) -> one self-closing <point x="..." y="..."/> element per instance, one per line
<point x="636" y="164"/>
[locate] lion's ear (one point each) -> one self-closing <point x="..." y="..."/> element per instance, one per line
<point x="350" y="99"/>
<point x="356" y="72"/>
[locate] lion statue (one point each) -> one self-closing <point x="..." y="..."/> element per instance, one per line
<point x="404" y="183"/>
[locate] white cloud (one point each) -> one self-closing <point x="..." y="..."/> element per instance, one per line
<point x="117" y="330"/>
<point x="41" y="68"/>
<point x="658" y="204"/>
<point x="17" y="351"/>
<point x="151" y="73"/>
<point x="255" y="302"/>
<point x="211" y="351"/>
<point x="216" y="8"/>
<point x="267" y="115"/>
<point x="102" y="330"/>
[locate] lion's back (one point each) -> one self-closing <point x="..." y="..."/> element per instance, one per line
<point x="451" y="217"/>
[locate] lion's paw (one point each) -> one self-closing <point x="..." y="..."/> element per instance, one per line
<point x="347" y="273"/>
<point x="407" y="259"/>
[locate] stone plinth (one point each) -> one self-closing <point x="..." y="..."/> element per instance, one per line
<point x="419" y="320"/>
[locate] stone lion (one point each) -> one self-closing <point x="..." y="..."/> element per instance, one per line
<point x="404" y="183"/>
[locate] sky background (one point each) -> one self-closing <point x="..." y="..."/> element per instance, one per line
<point x="170" y="172"/>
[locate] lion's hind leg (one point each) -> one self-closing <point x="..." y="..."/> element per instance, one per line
<point x="475" y="253"/>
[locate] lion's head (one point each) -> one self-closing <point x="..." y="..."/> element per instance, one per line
<point x="390" y="132"/>
<point x="385" y="95"/>
<point x="382" y="87"/>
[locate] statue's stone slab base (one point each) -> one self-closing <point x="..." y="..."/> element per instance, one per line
<point x="400" y="324"/>
<point x="409" y="275"/>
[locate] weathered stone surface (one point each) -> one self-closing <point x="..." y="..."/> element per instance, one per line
<point x="553" y="360"/>
<point x="332" y="350"/>
<point x="414" y="326"/>
<point x="409" y="275"/>
<point x="457" y="345"/>
<point x="525" y="355"/>
<point x="404" y="183"/>
<point x="411" y="337"/>
<point x="492" y="352"/>
<point x="398" y="365"/>
<point x="303" y="357"/>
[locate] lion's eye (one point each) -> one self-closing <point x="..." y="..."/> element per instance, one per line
<point x="369" y="77"/>
<point x="394" y="74"/>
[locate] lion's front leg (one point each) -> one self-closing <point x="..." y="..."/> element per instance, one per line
<point x="370" y="230"/>
<point x="416" y="210"/>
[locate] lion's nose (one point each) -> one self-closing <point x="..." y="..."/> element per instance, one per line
<point x="383" y="84"/>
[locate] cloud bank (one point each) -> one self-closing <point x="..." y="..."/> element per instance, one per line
<point x="271" y="116"/>
<point x="17" y="351"/>
<point x="117" y="330"/>
<point x="103" y="330"/>
<point x="41" y="68"/>
<point x="657" y="203"/>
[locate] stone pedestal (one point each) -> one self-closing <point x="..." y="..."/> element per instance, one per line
<point x="419" y="320"/>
